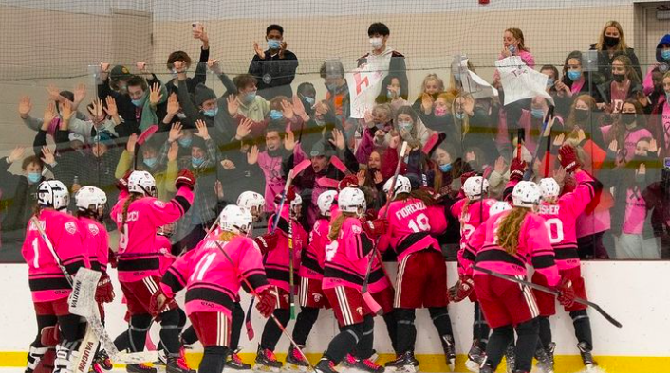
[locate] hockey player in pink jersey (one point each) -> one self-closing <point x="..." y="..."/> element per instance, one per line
<point x="212" y="275"/>
<point x="561" y="215"/>
<point x="422" y="272"/>
<point x="90" y="202"/>
<point x="346" y="260"/>
<point x="506" y="243"/>
<point x="138" y="216"/>
<point x="52" y="260"/>
<point x="276" y="260"/>
<point x="471" y="212"/>
<point x="311" y="296"/>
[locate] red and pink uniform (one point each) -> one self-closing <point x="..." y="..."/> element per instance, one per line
<point x="469" y="222"/>
<point x="311" y="267"/>
<point x="46" y="281"/>
<point x="96" y="243"/>
<point x="212" y="281"/>
<point x="276" y="261"/>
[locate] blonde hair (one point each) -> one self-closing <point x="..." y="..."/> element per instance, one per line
<point x="131" y="198"/>
<point x="631" y="74"/>
<point x="622" y="41"/>
<point x="518" y="35"/>
<point x="508" y="230"/>
<point x="336" y="225"/>
<point x="430" y="77"/>
<point x="227" y="236"/>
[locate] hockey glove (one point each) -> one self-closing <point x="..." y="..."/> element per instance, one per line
<point x="267" y="301"/>
<point x="158" y="302"/>
<point x="517" y="169"/>
<point x="50" y="336"/>
<point x="113" y="259"/>
<point x="566" y="295"/>
<point x="185" y="178"/>
<point x="462" y="289"/>
<point x="104" y="293"/>
<point x="266" y="242"/>
<point x="375" y="228"/>
<point x="569" y="160"/>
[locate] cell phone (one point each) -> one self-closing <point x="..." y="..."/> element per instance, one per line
<point x="666" y="163"/>
<point x="196" y="25"/>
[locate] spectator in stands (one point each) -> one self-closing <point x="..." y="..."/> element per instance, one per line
<point x="115" y="83"/>
<point x="337" y="91"/>
<point x="431" y="86"/>
<point x="624" y="85"/>
<point x="410" y="127"/>
<point x="437" y="115"/>
<point x="389" y="62"/>
<point x="611" y="45"/>
<point x="274" y="69"/>
<point x="573" y="82"/>
<point x="183" y="57"/>
<point x="247" y="102"/>
<point x="659" y="120"/>
<point x="626" y="132"/>
<point x="18" y="197"/>
<point x="307" y="94"/>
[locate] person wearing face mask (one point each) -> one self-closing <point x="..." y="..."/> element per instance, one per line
<point x="275" y="67"/>
<point x="165" y="175"/>
<point x="410" y="127"/>
<point x="389" y="62"/>
<point x="18" y="198"/>
<point x="610" y="45"/>
<point x="532" y="121"/>
<point x="115" y="83"/>
<point x="626" y="132"/>
<point x="307" y="94"/>
<point x="652" y="81"/>
<point x="439" y="117"/>
<point x="623" y="85"/>
<point x="337" y="90"/>
<point x="183" y="57"/>
<point x="659" y="120"/>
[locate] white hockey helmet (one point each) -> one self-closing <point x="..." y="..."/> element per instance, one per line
<point x="235" y="219"/>
<point x="549" y="188"/>
<point x="402" y="185"/>
<point x="526" y="194"/>
<point x="143" y="182"/>
<point x="325" y="201"/>
<point x="251" y="201"/>
<point x="297" y="201"/>
<point x="351" y="200"/>
<point x="475" y="187"/>
<point x="89" y="196"/>
<point x="53" y="193"/>
<point x="499" y="207"/>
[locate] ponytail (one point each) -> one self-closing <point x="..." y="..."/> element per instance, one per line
<point x="508" y="231"/>
<point x="131" y="198"/>
<point x="336" y="225"/>
<point x="464" y="212"/>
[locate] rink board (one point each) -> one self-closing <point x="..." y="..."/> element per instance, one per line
<point x="634" y="292"/>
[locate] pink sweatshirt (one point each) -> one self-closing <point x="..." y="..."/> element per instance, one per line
<point x="96" y="241"/>
<point x="314" y="256"/>
<point x="562" y="217"/>
<point x="212" y="282"/>
<point x="165" y="259"/>
<point x="276" y="261"/>
<point x="470" y="223"/>
<point x="45" y="279"/>
<point x="631" y="138"/>
<point x="138" y="251"/>
<point x="347" y="257"/>
<point x="411" y="224"/>
<point x="534" y="248"/>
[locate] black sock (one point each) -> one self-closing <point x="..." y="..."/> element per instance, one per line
<point x="272" y="333"/>
<point x="303" y="324"/>
<point x="582" y="324"/>
<point x="442" y="322"/>
<point x="169" y="332"/>
<point x="364" y="346"/>
<point x="238" y="322"/>
<point x="500" y="339"/>
<point x="406" y="329"/>
<point x="122" y="341"/>
<point x="342" y="344"/>
<point x="137" y="331"/>
<point x="526" y="343"/>
<point x="545" y="331"/>
<point x="213" y="359"/>
<point x="392" y="329"/>
<point x="481" y="329"/>
<point x="189" y="336"/>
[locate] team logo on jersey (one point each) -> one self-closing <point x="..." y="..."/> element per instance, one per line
<point x="359" y="310"/>
<point x="356" y="229"/>
<point x="70" y="227"/>
<point x="317" y="297"/>
<point x="93" y="229"/>
<point x="159" y="203"/>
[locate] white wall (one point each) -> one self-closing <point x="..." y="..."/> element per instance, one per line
<point x="636" y="293"/>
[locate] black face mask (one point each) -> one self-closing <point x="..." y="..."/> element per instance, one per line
<point x="611" y="42"/>
<point x="618" y="78"/>
<point x="628" y="118"/>
<point x="581" y="115"/>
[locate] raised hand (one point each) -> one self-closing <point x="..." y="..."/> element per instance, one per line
<point x="218" y="189"/>
<point x="79" y="93"/>
<point x="289" y="141"/>
<point x="49" y="112"/>
<point x="214" y="66"/>
<point x="395" y="140"/>
<point x="96" y="109"/>
<point x="48" y="155"/>
<point x="243" y="129"/>
<point x="282" y="49"/>
<point x="321" y="108"/>
<point x="66" y="111"/>
<point x="154" y="94"/>
<point x="559" y="175"/>
<point x="613" y="146"/>
<point x="25" y="106"/>
<point x="259" y="52"/>
<point x="338" y="139"/>
<point x="252" y="156"/>
<point x="16" y="154"/>
<point x="203" y="132"/>
<point x="499" y="165"/>
<point x="653" y="146"/>
<point x="227" y="164"/>
<point x="559" y="140"/>
<point x="173" y="152"/>
<point x="367" y="118"/>
<point x="175" y="132"/>
<point x="142" y="66"/>
<point x="299" y="107"/>
<point x="360" y="175"/>
<point x="233" y="105"/>
<point x="172" y="105"/>
<point x="426" y="103"/>
<point x="132" y="141"/>
<point x="379" y="178"/>
<point x="287" y="109"/>
<point x="53" y="92"/>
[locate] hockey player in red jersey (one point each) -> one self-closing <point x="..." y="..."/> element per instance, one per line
<point x="561" y="212"/>
<point x="212" y="275"/>
<point x="505" y="244"/>
<point x="346" y="260"/>
<point x="53" y="258"/>
<point x="90" y="202"/>
<point x="276" y="260"/>
<point x="138" y="216"/>
<point x="471" y="212"/>
<point x="422" y="272"/>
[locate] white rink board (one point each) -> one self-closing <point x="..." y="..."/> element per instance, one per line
<point x="635" y="292"/>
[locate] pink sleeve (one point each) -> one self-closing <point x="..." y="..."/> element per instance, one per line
<point x="165" y="213"/>
<point x="456" y="209"/>
<point x="539" y="247"/>
<point x="438" y="222"/>
<point x="67" y="241"/>
<point x="365" y="148"/>
<point x="176" y="276"/>
<point x="648" y="83"/>
<point x="250" y="265"/>
<point x="466" y="258"/>
<point x="103" y="248"/>
<point x="577" y="200"/>
<point x="385" y="240"/>
<point x="357" y="244"/>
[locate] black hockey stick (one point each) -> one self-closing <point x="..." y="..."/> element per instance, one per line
<point x="545" y="289"/>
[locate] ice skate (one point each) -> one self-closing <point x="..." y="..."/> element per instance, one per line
<point x="475" y="358"/>
<point x="367" y="366"/>
<point x="295" y="362"/>
<point x="140" y="368"/>
<point x="449" y="348"/>
<point x="544" y="362"/>
<point x="405" y="362"/>
<point x="325" y="366"/>
<point x="266" y="361"/>
<point x="234" y="363"/>
<point x="349" y="361"/>
<point x="587" y="358"/>
<point x="510" y="357"/>
<point x="177" y="365"/>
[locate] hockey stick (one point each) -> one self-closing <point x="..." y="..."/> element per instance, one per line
<point x="255" y="295"/>
<point x="367" y="297"/>
<point x="291" y="174"/>
<point x="545" y="289"/>
<point x="291" y="284"/>
<point x="141" y="139"/>
<point x="43" y="234"/>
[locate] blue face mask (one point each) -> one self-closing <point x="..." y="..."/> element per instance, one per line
<point x="211" y="112"/>
<point x="459" y="115"/>
<point x="274" y="44"/>
<point x="445" y="167"/>
<point x="550" y="82"/>
<point x="309" y="100"/>
<point x="405" y="126"/>
<point x="389" y="94"/>
<point x="574" y="75"/>
<point x="150" y="162"/>
<point x="512" y="49"/>
<point x="665" y="54"/>
<point x="138" y="101"/>
<point x="185" y="142"/>
<point x="197" y="161"/>
<point x="331" y="86"/>
<point x="34" y="177"/>
<point x="276" y="114"/>
<point x="537" y="113"/>
<point x="250" y="97"/>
